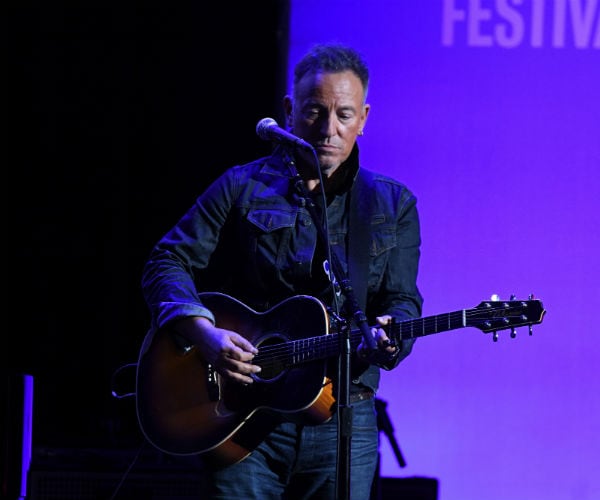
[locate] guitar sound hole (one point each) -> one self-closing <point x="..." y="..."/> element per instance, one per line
<point x="271" y="357"/>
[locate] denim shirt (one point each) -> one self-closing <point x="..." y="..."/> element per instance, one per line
<point x="250" y="235"/>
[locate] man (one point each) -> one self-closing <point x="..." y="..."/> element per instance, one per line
<point x="303" y="222"/>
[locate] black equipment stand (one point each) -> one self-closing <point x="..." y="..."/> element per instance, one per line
<point x="384" y="424"/>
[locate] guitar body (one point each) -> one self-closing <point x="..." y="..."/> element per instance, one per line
<point x="185" y="407"/>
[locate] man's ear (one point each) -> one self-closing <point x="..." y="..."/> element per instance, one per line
<point x="366" y="109"/>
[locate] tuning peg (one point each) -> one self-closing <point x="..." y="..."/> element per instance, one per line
<point x="513" y="332"/>
<point x="495" y="298"/>
<point x="531" y="326"/>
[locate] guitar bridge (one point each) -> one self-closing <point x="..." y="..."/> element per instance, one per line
<point x="212" y="383"/>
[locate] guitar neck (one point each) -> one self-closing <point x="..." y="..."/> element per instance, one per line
<point x="419" y="327"/>
<point x="488" y="316"/>
<point x="325" y="346"/>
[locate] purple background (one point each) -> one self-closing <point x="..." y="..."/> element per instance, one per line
<point x="500" y="142"/>
<point x="113" y="136"/>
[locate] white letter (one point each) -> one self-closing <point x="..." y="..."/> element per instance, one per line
<point x="558" y="33"/>
<point x="476" y="15"/>
<point x="449" y="16"/>
<point x="537" y="23"/>
<point x="514" y="20"/>
<point x="582" y="22"/>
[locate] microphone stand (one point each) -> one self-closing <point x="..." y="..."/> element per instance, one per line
<point x="352" y="308"/>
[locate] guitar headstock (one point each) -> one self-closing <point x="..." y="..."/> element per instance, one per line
<point x="495" y="315"/>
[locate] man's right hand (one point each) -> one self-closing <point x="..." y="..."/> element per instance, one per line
<point x="227" y="351"/>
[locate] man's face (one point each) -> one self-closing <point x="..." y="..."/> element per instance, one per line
<point x="328" y="111"/>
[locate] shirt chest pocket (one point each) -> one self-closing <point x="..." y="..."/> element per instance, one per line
<point x="269" y="238"/>
<point x="268" y="221"/>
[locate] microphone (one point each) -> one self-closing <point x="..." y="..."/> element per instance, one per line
<point x="268" y="130"/>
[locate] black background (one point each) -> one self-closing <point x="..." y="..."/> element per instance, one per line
<point x="118" y="117"/>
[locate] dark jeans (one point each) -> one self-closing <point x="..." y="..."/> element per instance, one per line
<point x="299" y="462"/>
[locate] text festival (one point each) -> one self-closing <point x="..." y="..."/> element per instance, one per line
<point x="519" y="23"/>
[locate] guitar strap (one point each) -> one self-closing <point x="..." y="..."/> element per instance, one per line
<point x="360" y="213"/>
<point x="359" y="217"/>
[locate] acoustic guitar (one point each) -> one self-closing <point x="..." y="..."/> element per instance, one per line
<point x="185" y="407"/>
